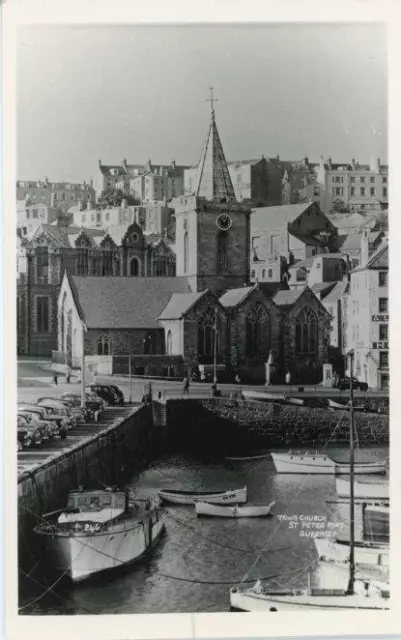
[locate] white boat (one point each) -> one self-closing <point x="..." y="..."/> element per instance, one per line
<point x="319" y="463"/>
<point x="366" y="553"/>
<point x="357" y="595"/>
<point x="260" y="456"/>
<point x="262" y="396"/>
<point x="337" y="405"/>
<point x="367" y="491"/>
<point x="377" y="514"/>
<point x="99" y="531"/>
<point x="176" y="496"/>
<point x="206" y="509"/>
<point x="297" y="401"/>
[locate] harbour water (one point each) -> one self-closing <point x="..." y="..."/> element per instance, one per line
<point x="199" y="559"/>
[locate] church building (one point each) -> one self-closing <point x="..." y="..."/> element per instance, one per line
<point x="209" y="311"/>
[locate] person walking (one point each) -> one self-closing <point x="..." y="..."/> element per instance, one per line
<point x="185" y="389"/>
<point x="55" y="380"/>
<point x="237" y="379"/>
<point x="288" y="378"/>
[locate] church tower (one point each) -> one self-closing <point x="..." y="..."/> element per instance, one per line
<point x="212" y="228"/>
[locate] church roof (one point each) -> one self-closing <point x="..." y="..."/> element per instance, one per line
<point x="234" y="297"/>
<point x="321" y="287"/>
<point x="288" y="297"/>
<point x="213" y="179"/>
<point x="124" y="302"/>
<point x="179" y="304"/>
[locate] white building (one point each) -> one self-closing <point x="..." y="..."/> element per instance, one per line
<point x="368" y="317"/>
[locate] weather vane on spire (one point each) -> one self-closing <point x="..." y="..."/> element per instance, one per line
<point x="212" y="99"/>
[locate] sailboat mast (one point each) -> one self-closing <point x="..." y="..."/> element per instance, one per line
<point x="351" y="582"/>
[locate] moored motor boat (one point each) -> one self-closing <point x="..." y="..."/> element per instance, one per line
<point x="176" y="496"/>
<point x="366" y="491"/>
<point x="206" y="509"/>
<point x="101" y="530"/>
<point x="319" y="463"/>
<point x="366" y="553"/>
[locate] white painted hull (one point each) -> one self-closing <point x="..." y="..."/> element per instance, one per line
<point x="255" y="602"/>
<point x="81" y="556"/>
<point x="318" y="464"/>
<point x="228" y="497"/>
<point x="332" y="550"/>
<point x="363" y="490"/>
<point x="206" y="509"/>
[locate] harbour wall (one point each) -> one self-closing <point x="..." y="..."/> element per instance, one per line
<point x="223" y="424"/>
<point x="110" y="457"/>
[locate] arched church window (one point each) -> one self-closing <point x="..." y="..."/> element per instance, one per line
<point x="207" y="333"/>
<point x="186" y="249"/>
<point x="306" y="331"/>
<point x="257" y="332"/>
<point x="169" y="343"/>
<point x="107" y="262"/>
<point x="223" y="251"/>
<point x="62" y="322"/>
<point x="83" y="262"/>
<point x="103" y="345"/>
<point x="134" y="267"/>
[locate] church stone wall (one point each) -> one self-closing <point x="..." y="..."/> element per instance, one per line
<point x="124" y="341"/>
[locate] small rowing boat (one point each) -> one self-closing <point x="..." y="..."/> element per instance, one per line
<point x="366" y="491"/>
<point x="260" y="456"/>
<point x="337" y="405"/>
<point x="177" y="496"/>
<point x="206" y="509"/>
<point x="297" y="401"/>
<point x="318" y="463"/>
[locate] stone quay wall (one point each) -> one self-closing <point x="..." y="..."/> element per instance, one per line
<point x="111" y="457"/>
<point x="224" y="424"/>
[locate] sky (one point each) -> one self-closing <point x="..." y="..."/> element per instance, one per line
<point x="94" y="92"/>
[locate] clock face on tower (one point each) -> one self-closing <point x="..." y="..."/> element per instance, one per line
<point x="224" y="222"/>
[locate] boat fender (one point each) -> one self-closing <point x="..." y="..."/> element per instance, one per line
<point x="234" y="590"/>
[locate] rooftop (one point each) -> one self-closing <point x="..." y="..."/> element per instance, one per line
<point x="234" y="297"/>
<point x="179" y="304"/>
<point x="286" y="298"/>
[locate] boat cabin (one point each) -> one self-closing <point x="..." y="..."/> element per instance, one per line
<point x="94" y="506"/>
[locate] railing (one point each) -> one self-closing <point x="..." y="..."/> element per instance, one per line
<point x="59" y="357"/>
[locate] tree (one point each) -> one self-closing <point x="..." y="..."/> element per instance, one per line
<point x="112" y="197"/>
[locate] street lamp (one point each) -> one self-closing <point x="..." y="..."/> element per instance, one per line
<point x="350" y="355"/>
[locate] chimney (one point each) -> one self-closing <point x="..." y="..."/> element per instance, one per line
<point x="329" y="162"/>
<point x="46" y="180"/>
<point x="353" y="163"/>
<point x="84" y="183"/>
<point x="375" y="164"/>
<point x="91" y="182"/>
<point x="278" y="158"/>
<point x="89" y="204"/>
<point x="364" y="247"/>
<point x="306" y="161"/>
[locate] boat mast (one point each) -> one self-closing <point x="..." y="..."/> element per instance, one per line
<point x="351" y="583"/>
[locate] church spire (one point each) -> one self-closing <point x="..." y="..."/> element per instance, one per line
<point x="213" y="180"/>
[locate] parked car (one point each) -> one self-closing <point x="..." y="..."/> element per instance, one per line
<point x="61" y="422"/>
<point x="93" y="403"/>
<point x="104" y="392"/>
<point x="33" y="433"/>
<point x="24" y="440"/>
<point x="34" y="420"/>
<point x="78" y="412"/>
<point x="118" y="392"/>
<point x="344" y="383"/>
<point x="59" y="410"/>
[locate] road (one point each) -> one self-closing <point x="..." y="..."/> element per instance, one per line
<point x="35" y="379"/>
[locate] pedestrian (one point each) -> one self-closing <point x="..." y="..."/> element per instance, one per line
<point x="237" y="379"/>
<point x="55" y="379"/>
<point x="68" y="376"/>
<point x="185" y="389"/>
<point x="288" y="378"/>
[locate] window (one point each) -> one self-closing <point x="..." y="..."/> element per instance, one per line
<point x="352" y="191"/>
<point x="103" y="346"/>
<point x="98" y="217"/>
<point x="207" y="324"/>
<point x="83" y="262"/>
<point x="107" y="216"/>
<point x="42" y="314"/>
<point x="42" y="264"/>
<point x="385" y="179"/>
<point x="385" y="381"/>
<point x="306" y="331"/>
<point x="263" y="274"/>
<point x="383" y="359"/>
<point x="253" y="274"/>
<point x="169" y="343"/>
<point x="384" y="192"/>
<point x="223" y="251"/>
<point x="270" y="273"/>
<point x="34" y="213"/>
<point x="352" y="179"/>
<point x="186" y="249"/>
<point x="362" y="191"/>
<point x="371" y="179"/>
<point x="372" y="191"/>
<point x="257" y="332"/>
<point x="383" y="305"/>
<point x="363" y="180"/>
<point x="383" y="278"/>
<point x="383" y="331"/>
